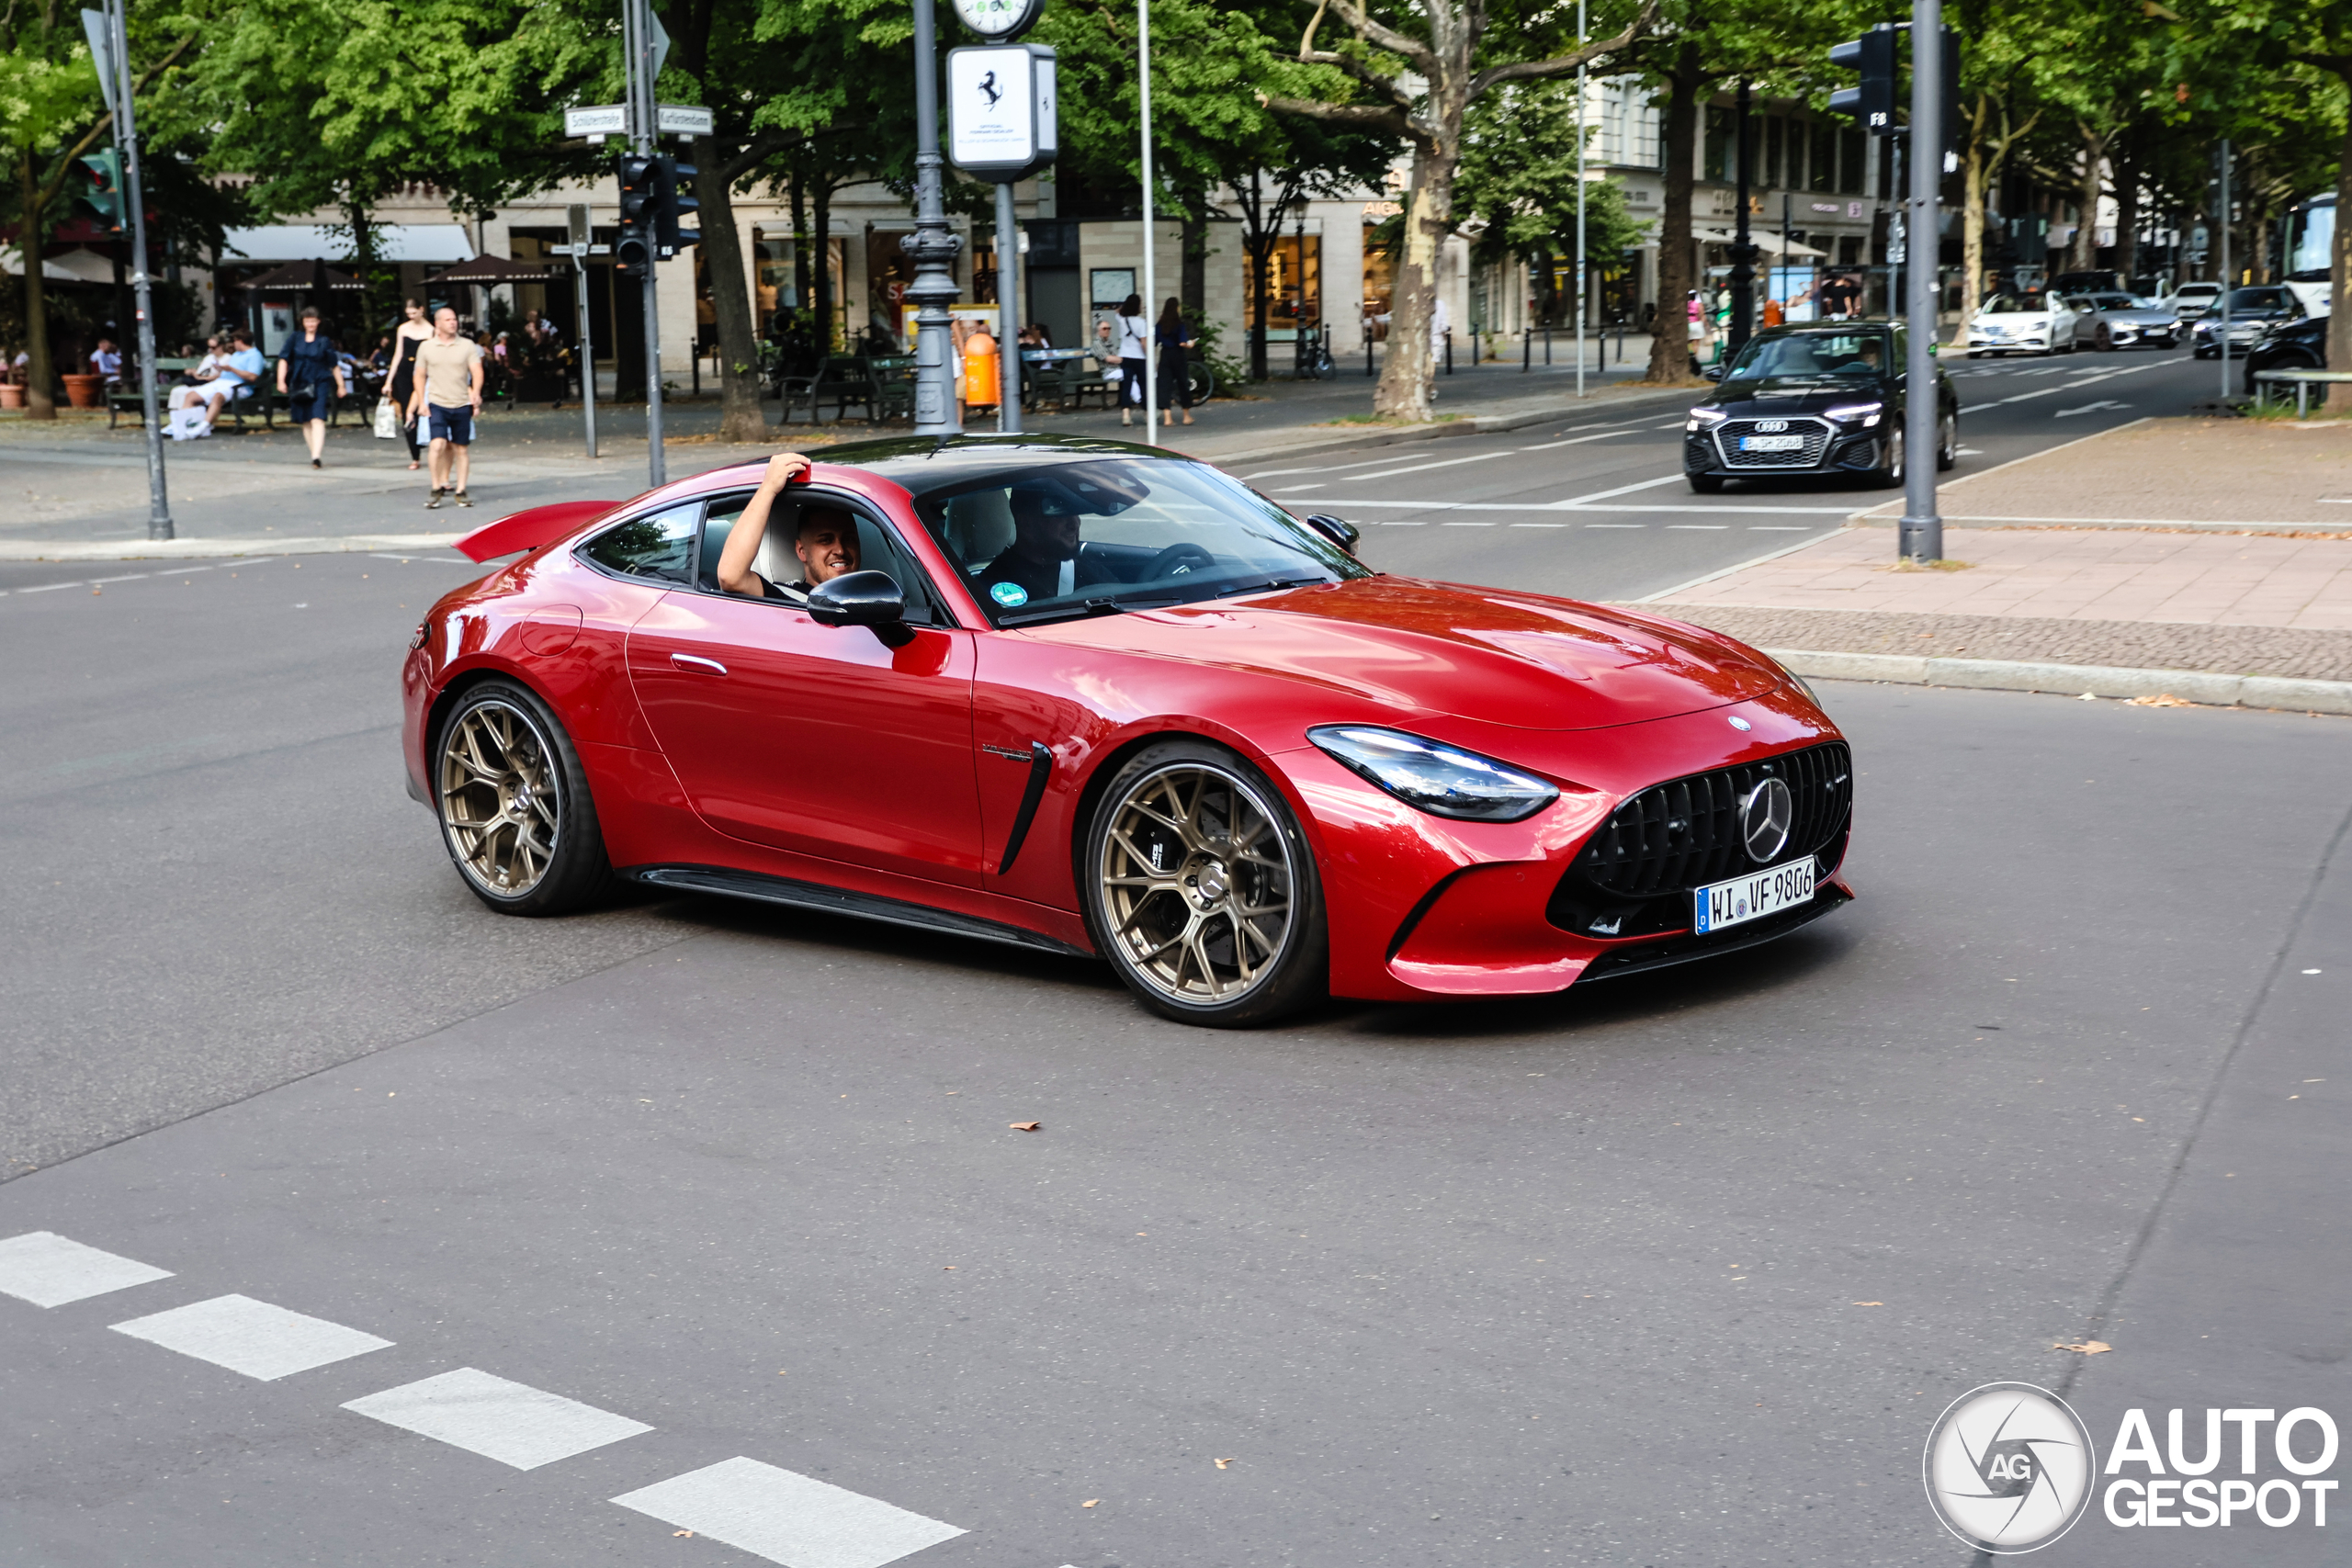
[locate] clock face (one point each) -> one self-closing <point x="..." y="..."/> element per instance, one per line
<point x="997" y="19"/>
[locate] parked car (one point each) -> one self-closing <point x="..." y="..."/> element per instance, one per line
<point x="1820" y="397"/>
<point x="2191" y="300"/>
<point x="2252" y="311"/>
<point x="2290" y="346"/>
<point x="2034" y="322"/>
<point x="2122" y="320"/>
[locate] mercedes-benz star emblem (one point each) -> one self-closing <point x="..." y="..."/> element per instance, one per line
<point x="1764" y="819"/>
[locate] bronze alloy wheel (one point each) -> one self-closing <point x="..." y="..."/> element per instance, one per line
<point x="502" y="805"/>
<point x="1197" y="884"/>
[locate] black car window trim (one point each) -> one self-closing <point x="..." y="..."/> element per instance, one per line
<point x="580" y="551"/>
<point x="938" y="612"/>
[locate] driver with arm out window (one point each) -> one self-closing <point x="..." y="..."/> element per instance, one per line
<point x="825" y="542"/>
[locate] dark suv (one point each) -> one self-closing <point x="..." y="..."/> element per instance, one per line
<point x="1819" y="398"/>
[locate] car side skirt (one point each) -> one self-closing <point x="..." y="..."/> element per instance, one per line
<point x="761" y="887"/>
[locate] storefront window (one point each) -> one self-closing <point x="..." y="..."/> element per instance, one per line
<point x="1293" y="284"/>
<point x="1379" y="282"/>
<point x="1824" y="157"/>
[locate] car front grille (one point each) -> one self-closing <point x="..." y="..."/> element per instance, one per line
<point x="1814" y="431"/>
<point x="1675" y="836"/>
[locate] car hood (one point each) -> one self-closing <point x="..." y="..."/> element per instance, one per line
<point x="1796" y="394"/>
<point x="1521" y="659"/>
<point x="2006" y="318"/>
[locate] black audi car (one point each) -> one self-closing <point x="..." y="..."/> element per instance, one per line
<point x="1815" y="398"/>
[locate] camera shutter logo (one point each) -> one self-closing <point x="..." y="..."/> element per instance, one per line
<point x="2009" y="1467"/>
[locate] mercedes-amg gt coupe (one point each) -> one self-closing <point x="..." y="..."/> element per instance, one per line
<point x="1104" y="700"/>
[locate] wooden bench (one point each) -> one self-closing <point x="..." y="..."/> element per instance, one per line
<point x="125" y="397"/>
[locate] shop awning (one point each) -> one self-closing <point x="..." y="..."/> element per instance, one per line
<point x="295" y="277"/>
<point x="72" y="267"/>
<point x="1763" y="240"/>
<point x="493" y="270"/>
<point x="427" y="243"/>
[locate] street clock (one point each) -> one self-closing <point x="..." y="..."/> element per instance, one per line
<point x="998" y="19"/>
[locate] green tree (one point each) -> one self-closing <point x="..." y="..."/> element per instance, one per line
<point x="1517" y="186"/>
<point x="1425" y="63"/>
<point x="51" y="114"/>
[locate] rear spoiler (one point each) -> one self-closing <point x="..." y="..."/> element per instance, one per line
<point x="528" y="530"/>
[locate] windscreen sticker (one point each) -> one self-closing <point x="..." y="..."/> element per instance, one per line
<point x="1011" y="596"/>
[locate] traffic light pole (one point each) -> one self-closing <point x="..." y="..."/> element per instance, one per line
<point x="159" y="506"/>
<point x="1922" y="529"/>
<point x="643" y="117"/>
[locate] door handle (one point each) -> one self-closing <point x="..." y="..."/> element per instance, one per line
<point x="690" y="662"/>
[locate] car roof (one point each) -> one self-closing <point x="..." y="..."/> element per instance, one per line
<point x="1824" y="329"/>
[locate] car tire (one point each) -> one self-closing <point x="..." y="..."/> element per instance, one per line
<point x="1888" y="475"/>
<point x="1705" y="484"/>
<point x="1948" y="444"/>
<point x="512" y="801"/>
<point x="1167" y="823"/>
<point x="1975" y="354"/>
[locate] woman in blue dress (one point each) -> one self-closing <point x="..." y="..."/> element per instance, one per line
<point x="310" y="375"/>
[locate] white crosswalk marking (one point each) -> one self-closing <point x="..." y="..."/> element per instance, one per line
<point x="792" y="1519"/>
<point x="252" y="1337"/>
<point x="511" y="1422"/>
<point x="49" y="1269"/>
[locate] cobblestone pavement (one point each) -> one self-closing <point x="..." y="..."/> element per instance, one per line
<point x="2287" y="652"/>
<point x="2093" y="574"/>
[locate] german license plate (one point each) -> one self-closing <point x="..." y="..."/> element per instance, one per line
<point x="1771" y="443"/>
<point x="1744" y="898"/>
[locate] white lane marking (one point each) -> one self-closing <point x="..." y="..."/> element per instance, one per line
<point x="1616" y="525"/>
<point x="49" y="1269"/>
<point x="51" y="587"/>
<point x="786" y="1518"/>
<point x="2090" y="408"/>
<point x="1677" y="424"/>
<point x="250" y="1337"/>
<point x="1969" y="451"/>
<point x="1742" y="511"/>
<point x="1621" y="490"/>
<point x="1294" y="490"/>
<point x="1702" y="528"/>
<point x="1665" y="595"/>
<point x="511" y="1422"/>
<point x="126" y="577"/>
<point x="1327" y="467"/>
<point x="1469" y="524"/>
<point x="1418" y="468"/>
<point x="1778" y="528"/>
<point x="1539" y="525"/>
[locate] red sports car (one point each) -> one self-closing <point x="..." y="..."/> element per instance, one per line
<point x="1101" y="700"/>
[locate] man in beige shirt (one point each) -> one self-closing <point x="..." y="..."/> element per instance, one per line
<point x="448" y="390"/>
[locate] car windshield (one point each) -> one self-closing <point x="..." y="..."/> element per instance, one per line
<point x="2258" y="299"/>
<point x="1048" y="541"/>
<point x="1812" y="354"/>
<point x="2115" y="303"/>
<point x="2018" y="305"/>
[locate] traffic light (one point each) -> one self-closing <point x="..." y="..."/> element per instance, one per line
<point x="105" y="197"/>
<point x="670" y="204"/>
<point x="1873" y="103"/>
<point x="638" y="176"/>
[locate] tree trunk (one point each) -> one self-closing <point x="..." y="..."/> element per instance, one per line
<point x="1194" y="289"/>
<point x="2339" y="278"/>
<point x="740" y="419"/>
<point x="2082" y="255"/>
<point x="823" y="295"/>
<point x="41" y="376"/>
<point x="801" y="281"/>
<point x="1407" y="382"/>
<point x="1972" y="224"/>
<point x="1670" y="348"/>
<point x="2126" y="215"/>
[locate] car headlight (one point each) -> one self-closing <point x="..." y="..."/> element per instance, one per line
<point x="1701" y="418"/>
<point x="1847" y="413"/>
<point x="1444" y="781"/>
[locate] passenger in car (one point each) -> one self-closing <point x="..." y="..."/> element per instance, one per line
<point x="825" y="542"/>
<point x="1042" y="561"/>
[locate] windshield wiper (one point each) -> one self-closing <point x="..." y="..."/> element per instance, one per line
<point x="1077" y="612"/>
<point x="1272" y="582"/>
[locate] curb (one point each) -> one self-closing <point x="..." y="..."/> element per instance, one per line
<point x="2097" y="680"/>
<point x="202" y="549"/>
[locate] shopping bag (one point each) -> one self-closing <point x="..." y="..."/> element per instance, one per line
<point x="188" y="423"/>
<point x="387" y="421"/>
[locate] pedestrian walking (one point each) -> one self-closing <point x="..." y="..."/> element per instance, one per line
<point x="1174" y="336"/>
<point x="400" y="386"/>
<point x="1133" y="349"/>
<point x="448" y="392"/>
<point x="309" y="376"/>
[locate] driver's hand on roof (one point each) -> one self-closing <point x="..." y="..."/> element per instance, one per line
<point x="783" y="468"/>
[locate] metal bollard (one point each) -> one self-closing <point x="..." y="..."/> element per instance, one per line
<point x="1367" y="351"/>
<point x="1449" y="351"/>
<point x="1526" y="348"/>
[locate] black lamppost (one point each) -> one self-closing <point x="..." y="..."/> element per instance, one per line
<point x="932" y="246"/>
<point x="1742" y="249"/>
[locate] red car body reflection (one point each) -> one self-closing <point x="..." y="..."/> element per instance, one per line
<point x="823" y="757"/>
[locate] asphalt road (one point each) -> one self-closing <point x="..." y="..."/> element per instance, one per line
<point x="1675" y="1272"/>
<point x="1596" y="506"/>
